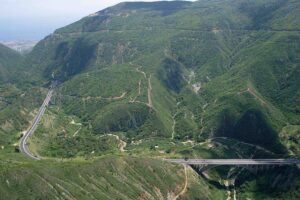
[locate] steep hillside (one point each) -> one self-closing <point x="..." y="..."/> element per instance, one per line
<point x="10" y="61"/>
<point x="18" y="97"/>
<point x="106" y="178"/>
<point x="180" y="70"/>
<point x="139" y="81"/>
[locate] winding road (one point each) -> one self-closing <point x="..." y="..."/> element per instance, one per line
<point x="23" y="143"/>
<point x="25" y="150"/>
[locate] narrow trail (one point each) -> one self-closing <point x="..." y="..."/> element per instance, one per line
<point x="98" y="97"/>
<point x="174" y="123"/>
<point x="230" y="193"/>
<point x="76" y="132"/>
<point x="197" y="87"/>
<point x="226" y="183"/>
<point x="234" y="194"/>
<point x="122" y="144"/>
<point x="119" y="97"/>
<point x="183" y="191"/>
<point x="149" y="89"/>
<point x="138" y="67"/>
<point x="140" y="71"/>
<point x="150" y="103"/>
<point x="173" y="126"/>
<point x="139" y="93"/>
<point x="114" y="98"/>
<point x="250" y="91"/>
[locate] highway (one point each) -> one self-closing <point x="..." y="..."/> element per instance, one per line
<point x="236" y="162"/>
<point x="23" y="143"/>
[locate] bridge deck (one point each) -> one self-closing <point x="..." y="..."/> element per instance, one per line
<point x="236" y="161"/>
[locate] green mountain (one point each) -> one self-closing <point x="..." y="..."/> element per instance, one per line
<point x="18" y="97"/>
<point x="108" y="178"/>
<point x="204" y="79"/>
<point x="181" y="70"/>
<point x="10" y="60"/>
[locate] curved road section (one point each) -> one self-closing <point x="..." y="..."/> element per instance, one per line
<point x="23" y="144"/>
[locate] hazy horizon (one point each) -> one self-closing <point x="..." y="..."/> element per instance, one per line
<point x="34" y="19"/>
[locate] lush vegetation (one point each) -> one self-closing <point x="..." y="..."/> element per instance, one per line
<point x="208" y="79"/>
<point x="10" y="62"/>
<point x="106" y="178"/>
<point x="236" y="79"/>
<point x="18" y="98"/>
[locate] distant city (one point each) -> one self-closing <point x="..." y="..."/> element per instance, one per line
<point x="20" y="46"/>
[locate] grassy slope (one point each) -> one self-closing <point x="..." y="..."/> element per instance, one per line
<point x="10" y="61"/>
<point x="18" y="98"/>
<point x="228" y="47"/>
<point x="246" y="65"/>
<point x="106" y="178"/>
